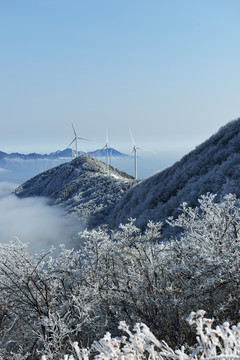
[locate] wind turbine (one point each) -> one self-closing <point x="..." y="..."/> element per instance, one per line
<point x="107" y="155"/>
<point x="135" y="148"/>
<point x="76" y="142"/>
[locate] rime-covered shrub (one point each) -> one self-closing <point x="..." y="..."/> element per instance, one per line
<point x="222" y="342"/>
<point x="129" y="275"/>
<point x="144" y="279"/>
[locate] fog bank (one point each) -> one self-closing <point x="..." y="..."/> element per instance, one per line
<point x="33" y="221"/>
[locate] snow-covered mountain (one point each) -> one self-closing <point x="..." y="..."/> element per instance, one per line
<point x="214" y="166"/>
<point x="82" y="187"/>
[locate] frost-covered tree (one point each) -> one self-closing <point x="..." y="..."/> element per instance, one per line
<point x="125" y="266"/>
<point x="207" y="255"/>
<point x="44" y="300"/>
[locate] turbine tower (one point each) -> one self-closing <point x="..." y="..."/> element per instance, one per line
<point x="110" y="158"/>
<point x="135" y="148"/>
<point x="76" y="143"/>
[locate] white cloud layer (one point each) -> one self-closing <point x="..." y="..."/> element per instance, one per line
<point x="33" y="221"/>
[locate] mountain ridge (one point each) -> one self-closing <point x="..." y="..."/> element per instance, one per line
<point x="213" y="166"/>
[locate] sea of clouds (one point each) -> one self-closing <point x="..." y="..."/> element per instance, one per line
<point x="34" y="221"/>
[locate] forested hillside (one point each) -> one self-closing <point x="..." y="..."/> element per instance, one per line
<point x="214" y="166"/>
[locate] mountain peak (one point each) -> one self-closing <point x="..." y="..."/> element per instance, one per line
<point x="92" y="164"/>
<point x="82" y="187"/>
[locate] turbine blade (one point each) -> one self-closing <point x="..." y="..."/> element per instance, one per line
<point x="132" y="138"/>
<point x="85" y="151"/>
<point x="147" y="150"/>
<point x="74" y="130"/>
<point x="71" y="143"/>
<point x="83" y="139"/>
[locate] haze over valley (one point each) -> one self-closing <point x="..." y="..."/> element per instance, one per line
<point x="18" y="170"/>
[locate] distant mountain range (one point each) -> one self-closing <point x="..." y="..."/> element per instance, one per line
<point x="67" y="153"/>
<point x="214" y="166"/>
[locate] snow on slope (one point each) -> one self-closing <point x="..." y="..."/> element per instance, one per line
<point x="82" y="187"/>
<point x="214" y="166"/>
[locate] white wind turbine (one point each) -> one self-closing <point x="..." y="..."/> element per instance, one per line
<point x="135" y="148"/>
<point x="76" y="143"/>
<point x="107" y="154"/>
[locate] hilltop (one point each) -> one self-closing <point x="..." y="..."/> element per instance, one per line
<point x="82" y="187"/>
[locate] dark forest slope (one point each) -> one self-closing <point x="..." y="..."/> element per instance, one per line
<point x="214" y="166"/>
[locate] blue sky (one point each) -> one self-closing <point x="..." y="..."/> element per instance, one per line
<point x="167" y="69"/>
